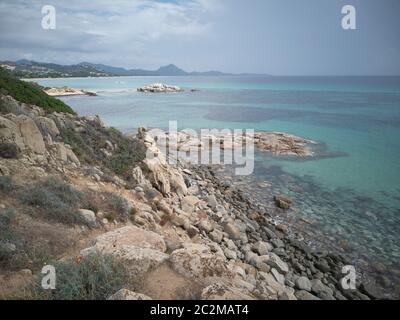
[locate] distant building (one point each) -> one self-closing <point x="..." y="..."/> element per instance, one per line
<point x="7" y="67"/>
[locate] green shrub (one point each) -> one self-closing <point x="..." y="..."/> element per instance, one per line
<point x="95" y="277"/>
<point x="31" y="93"/>
<point x="88" y="146"/>
<point x="119" y="206"/>
<point x="6" y="184"/>
<point x="54" y="200"/>
<point x="6" y="219"/>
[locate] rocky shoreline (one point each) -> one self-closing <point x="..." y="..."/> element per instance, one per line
<point x="183" y="226"/>
<point x="66" y="91"/>
<point x="276" y="143"/>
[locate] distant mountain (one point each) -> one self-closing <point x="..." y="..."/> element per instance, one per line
<point x="169" y="70"/>
<point x="32" y="69"/>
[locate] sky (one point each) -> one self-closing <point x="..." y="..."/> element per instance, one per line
<point x="278" y="37"/>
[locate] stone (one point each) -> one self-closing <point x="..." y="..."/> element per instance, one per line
<point x="230" y="254"/>
<point x="262" y="248"/>
<point x="271" y="282"/>
<point x="221" y="291"/>
<point x="161" y="175"/>
<point x="10" y="133"/>
<point x="30" y="133"/>
<point x="275" y="262"/>
<point x="47" y="126"/>
<point x="189" y="203"/>
<point x="283" y="202"/>
<point x="305" y="295"/>
<point x="125" y="294"/>
<point x="129" y="236"/>
<point x="138" y="178"/>
<point x="232" y="230"/>
<point x="61" y="152"/>
<point x="96" y="120"/>
<point x="205" y="225"/>
<point x="139" y="260"/>
<point x="212" y="202"/>
<point x="277" y="243"/>
<point x="71" y="156"/>
<point x="216" y="236"/>
<point x="153" y="195"/>
<point x="323" y="265"/>
<point x="321" y="290"/>
<point x="287" y="295"/>
<point x="303" y="283"/>
<point x="88" y="216"/>
<point x="371" y="290"/>
<point x="278" y="277"/>
<point x="197" y="262"/>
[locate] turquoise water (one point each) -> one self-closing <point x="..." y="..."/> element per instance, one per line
<point x="352" y="190"/>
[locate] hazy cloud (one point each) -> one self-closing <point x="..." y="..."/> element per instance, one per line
<point x="261" y="36"/>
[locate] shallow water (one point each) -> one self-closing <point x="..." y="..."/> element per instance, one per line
<point x="351" y="192"/>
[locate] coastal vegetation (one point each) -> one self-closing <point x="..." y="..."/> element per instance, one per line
<point x="30" y="93"/>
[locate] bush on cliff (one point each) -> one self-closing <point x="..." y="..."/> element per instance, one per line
<point x="53" y="199"/>
<point x="95" y="277"/>
<point x="31" y="93"/>
<point x="89" y="146"/>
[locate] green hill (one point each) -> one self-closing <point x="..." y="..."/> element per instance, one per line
<point x="30" y="93"/>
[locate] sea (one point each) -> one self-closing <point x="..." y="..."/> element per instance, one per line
<point x="346" y="198"/>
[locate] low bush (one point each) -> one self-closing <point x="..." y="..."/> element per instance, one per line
<point x="120" y="207"/>
<point x="6" y="184"/>
<point x="89" y="147"/>
<point x="53" y="199"/>
<point x="9" y="150"/>
<point x="95" y="277"/>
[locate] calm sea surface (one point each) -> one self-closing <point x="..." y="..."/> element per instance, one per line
<point x="349" y="195"/>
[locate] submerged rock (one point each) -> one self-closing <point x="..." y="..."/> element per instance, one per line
<point x="283" y="202"/>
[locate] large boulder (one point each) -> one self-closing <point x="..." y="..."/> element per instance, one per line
<point x="275" y="262"/>
<point x="197" y="262"/>
<point x="189" y="203"/>
<point x="30" y="133"/>
<point x="139" y="178"/>
<point x="129" y="236"/>
<point x="139" y="260"/>
<point x="47" y="126"/>
<point x="140" y="250"/>
<point x="9" y="133"/>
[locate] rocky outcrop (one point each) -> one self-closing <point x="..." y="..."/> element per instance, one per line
<point x="129" y="236"/>
<point x="66" y="91"/>
<point x="277" y="143"/>
<point x="197" y="262"/>
<point x="162" y="176"/>
<point x="159" y="88"/>
<point x="140" y="250"/>
<point x="35" y="136"/>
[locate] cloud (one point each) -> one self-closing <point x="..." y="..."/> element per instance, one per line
<point x="111" y="29"/>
